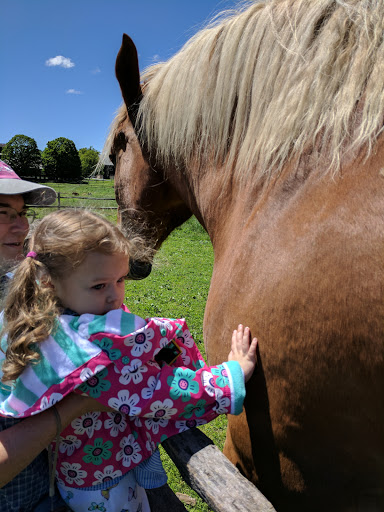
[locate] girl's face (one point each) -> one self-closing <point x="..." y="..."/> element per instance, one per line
<point x="96" y="286"/>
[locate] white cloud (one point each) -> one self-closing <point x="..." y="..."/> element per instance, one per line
<point x="96" y="71"/>
<point x="59" y="60"/>
<point x="73" y="91"/>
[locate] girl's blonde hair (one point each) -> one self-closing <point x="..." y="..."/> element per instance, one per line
<point x="61" y="242"/>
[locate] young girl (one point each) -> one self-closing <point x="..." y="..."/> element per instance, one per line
<point x="67" y="329"/>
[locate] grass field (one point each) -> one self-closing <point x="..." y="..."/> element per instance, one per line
<point x="177" y="287"/>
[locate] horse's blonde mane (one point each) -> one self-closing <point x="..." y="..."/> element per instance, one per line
<point x="269" y="83"/>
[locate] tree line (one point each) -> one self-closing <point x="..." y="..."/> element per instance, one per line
<point x="59" y="161"/>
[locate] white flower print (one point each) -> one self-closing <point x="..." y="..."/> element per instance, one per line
<point x="160" y="411"/>
<point x="73" y="473"/>
<point x="136" y="421"/>
<point x="87" y="423"/>
<point x="154" y="424"/>
<point x="185" y="358"/>
<point x="163" y="323"/>
<point x="132" y="372"/>
<point x="129" y="451"/>
<point x="183" y="425"/>
<point x="134" y="365"/>
<point x="152" y="362"/>
<point x="150" y="445"/>
<point x="125" y="403"/>
<point x="208" y="383"/>
<point x="222" y="402"/>
<point x="53" y="399"/>
<point x="87" y="373"/>
<point x="69" y="444"/>
<point x="140" y="341"/>
<point x="185" y="337"/>
<point x="107" y="475"/>
<point x="153" y="384"/>
<point x="115" y="423"/>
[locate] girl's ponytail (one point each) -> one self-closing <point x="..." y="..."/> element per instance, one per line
<point x="30" y="310"/>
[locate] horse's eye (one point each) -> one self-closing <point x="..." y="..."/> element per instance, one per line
<point x="121" y="139"/>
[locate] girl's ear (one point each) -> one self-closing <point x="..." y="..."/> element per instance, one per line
<point x="45" y="281"/>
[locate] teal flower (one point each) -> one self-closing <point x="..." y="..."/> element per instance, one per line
<point x="222" y="376"/>
<point x="98" y="452"/>
<point x="96" y="384"/>
<point x="106" y="346"/>
<point x="198" y="409"/>
<point x="125" y="359"/>
<point x="182" y="384"/>
<point x="198" y="364"/>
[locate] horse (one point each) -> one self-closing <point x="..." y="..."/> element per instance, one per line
<point x="267" y="126"/>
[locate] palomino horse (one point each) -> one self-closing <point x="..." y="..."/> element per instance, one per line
<point x="267" y="127"/>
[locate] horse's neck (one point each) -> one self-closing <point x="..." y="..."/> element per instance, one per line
<point x="225" y="206"/>
<point x="216" y="200"/>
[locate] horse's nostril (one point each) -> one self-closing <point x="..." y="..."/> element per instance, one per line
<point x="139" y="269"/>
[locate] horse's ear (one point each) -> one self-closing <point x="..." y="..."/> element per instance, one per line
<point x="128" y="75"/>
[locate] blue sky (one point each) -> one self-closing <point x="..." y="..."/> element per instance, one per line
<point x="57" y="60"/>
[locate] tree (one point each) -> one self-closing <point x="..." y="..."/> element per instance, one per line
<point x="23" y="155"/>
<point x="89" y="158"/>
<point x="61" y="160"/>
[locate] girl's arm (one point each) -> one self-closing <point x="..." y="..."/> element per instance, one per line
<point x="172" y="388"/>
<point x="21" y="443"/>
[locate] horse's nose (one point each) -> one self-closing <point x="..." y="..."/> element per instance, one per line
<point x="139" y="269"/>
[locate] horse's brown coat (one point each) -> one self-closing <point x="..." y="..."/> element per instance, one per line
<point x="299" y="258"/>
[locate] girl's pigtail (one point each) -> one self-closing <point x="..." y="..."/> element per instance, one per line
<point x="29" y="316"/>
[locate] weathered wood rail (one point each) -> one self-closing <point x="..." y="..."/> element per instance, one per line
<point x="58" y="205"/>
<point x="60" y="197"/>
<point x="212" y="476"/>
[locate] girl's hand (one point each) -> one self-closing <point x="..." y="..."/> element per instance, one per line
<point x="243" y="352"/>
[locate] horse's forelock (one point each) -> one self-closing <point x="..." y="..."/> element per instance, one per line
<point x="265" y="84"/>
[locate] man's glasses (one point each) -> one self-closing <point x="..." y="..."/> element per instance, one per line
<point x="9" y="215"/>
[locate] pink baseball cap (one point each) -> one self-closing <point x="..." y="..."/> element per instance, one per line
<point x="35" y="193"/>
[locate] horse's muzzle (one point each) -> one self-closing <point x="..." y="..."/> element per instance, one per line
<point x="139" y="269"/>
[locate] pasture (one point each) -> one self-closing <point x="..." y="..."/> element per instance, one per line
<point x="177" y="287"/>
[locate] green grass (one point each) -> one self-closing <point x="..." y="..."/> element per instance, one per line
<point x="177" y="287"/>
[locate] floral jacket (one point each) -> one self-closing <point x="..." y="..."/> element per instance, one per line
<point x="154" y="378"/>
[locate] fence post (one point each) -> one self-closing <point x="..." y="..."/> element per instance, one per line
<point x="58" y="200"/>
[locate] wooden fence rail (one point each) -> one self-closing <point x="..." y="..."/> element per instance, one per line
<point x="60" y="197"/>
<point x="59" y="204"/>
<point x="212" y="476"/>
